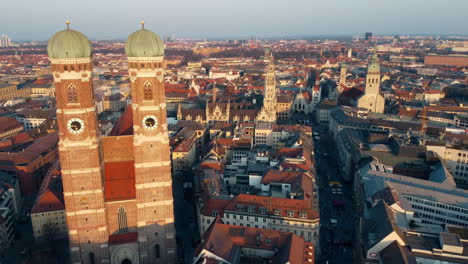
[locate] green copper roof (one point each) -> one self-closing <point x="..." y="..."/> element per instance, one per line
<point x="144" y="43"/>
<point x="69" y="43"/>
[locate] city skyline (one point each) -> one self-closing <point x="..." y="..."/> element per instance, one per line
<point x="242" y="19"/>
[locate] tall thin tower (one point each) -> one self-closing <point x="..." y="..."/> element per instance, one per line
<point x="268" y="112"/>
<point x="79" y="146"/>
<point x="153" y="181"/>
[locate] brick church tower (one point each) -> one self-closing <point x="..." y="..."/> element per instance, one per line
<point x="80" y="151"/>
<point x="155" y="215"/>
<point x="117" y="188"/>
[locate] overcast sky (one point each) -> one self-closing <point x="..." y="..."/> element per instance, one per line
<point x="116" y="19"/>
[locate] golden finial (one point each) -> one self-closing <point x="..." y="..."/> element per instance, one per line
<point x="68" y="24"/>
<point x="142" y="24"/>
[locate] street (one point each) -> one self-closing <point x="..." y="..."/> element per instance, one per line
<point x="336" y="204"/>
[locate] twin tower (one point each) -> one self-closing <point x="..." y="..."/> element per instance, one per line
<point x="118" y="188"/>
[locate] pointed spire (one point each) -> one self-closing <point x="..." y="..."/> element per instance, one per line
<point x="142" y="24"/>
<point x="68" y="24"/>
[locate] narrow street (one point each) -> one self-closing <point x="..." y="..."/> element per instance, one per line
<point x="336" y="204"/>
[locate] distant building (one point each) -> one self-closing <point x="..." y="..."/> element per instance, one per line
<point x="368" y="36"/>
<point x="391" y="235"/>
<point x="184" y="150"/>
<point x="10" y="91"/>
<point x="283" y="107"/>
<point x="446" y="60"/>
<point x="31" y="162"/>
<point x="323" y="111"/>
<point x="436" y="201"/>
<point x="5" y="41"/>
<point x="9" y="127"/>
<point x="343" y="73"/>
<point x="33" y="118"/>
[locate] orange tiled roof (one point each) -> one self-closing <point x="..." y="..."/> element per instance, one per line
<point x="8" y="123"/>
<point x="222" y="240"/>
<point x="119" y="180"/>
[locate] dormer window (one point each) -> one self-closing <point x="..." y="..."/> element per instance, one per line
<point x="250" y="209"/>
<point x="240" y="207"/>
<point x="214" y="213"/>
<point x="290" y="213"/>
<point x="277" y="212"/>
<point x="302" y="215"/>
<point x="262" y="210"/>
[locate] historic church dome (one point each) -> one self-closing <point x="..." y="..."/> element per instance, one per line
<point x="69" y="43"/>
<point x="144" y="43"/>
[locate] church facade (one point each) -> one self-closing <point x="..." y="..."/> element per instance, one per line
<point x="117" y="188"/>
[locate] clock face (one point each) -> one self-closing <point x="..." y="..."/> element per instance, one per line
<point x="150" y="122"/>
<point x="75" y="125"/>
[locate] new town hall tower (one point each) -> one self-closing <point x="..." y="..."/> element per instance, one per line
<point x="118" y="188"/>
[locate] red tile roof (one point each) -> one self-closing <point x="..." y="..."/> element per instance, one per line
<point x="124" y="126"/>
<point x="50" y="196"/>
<point x="256" y="202"/>
<point x="289" y="152"/>
<point x="119" y="180"/>
<point x="8" y="124"/>
<point x="123" y="238"/>
<point x="294" y="166"/>
<point x="222" y="240"/>
<point x="47" y="202"/>
<point x="281" y="176"/>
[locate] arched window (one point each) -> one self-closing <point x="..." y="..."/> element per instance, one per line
<point x="91" y="258"/>
<point x="147" y="91"/>
<point x="156" y="251"/>
<point x="72" y="93"/>
<point x="122" y="219"/>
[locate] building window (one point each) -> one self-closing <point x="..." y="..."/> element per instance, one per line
<point x="156" y="251"/>
<point x="122" y="218"/>
<point x="72" y="93"/>
<point x="147" y="91"/>
<point x="91" y="258"/>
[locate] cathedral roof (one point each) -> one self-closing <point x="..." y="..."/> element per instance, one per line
<point x="124" y="126"/>
<point x="69" y="43"/>
<point x="119" y="180"/>
<point x="144" y="43"/>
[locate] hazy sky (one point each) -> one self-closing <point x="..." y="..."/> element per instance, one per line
<point x="116" y="19"/>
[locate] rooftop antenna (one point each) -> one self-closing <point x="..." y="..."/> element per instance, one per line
<point x="68" y="24"/>
<point x="142" y="24"/>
